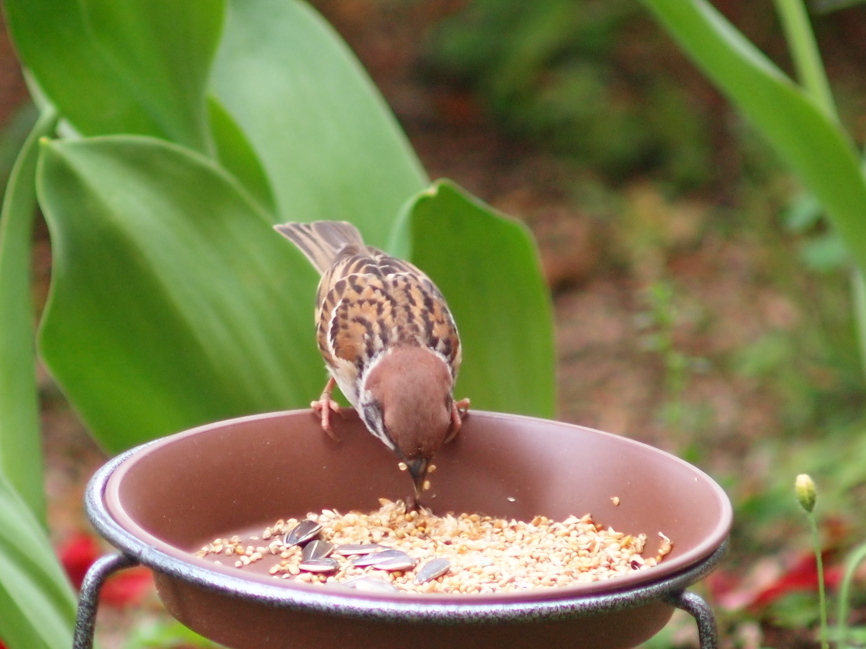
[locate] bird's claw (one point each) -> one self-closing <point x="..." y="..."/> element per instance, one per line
<point x="323" y="408"/>
<point x="459" y="410"/>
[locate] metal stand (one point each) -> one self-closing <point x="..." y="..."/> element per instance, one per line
<point x="695" y="606"/>
<point x="88" y="599"/>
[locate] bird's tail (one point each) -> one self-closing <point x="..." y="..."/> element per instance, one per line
<point x="321" y="241"/>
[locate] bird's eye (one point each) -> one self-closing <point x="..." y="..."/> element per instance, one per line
<point x="371" y="413"/>
<point x="372" y="416"/>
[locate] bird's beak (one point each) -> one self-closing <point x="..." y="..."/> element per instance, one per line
<point x="418" y="471"/>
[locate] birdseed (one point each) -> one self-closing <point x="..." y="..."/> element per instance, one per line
<point x="484" y="554"/>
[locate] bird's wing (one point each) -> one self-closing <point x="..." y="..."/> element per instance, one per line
<point x="368" y="302"/>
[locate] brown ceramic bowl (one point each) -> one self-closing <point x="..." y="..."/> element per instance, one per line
<point x="162" y="501"/>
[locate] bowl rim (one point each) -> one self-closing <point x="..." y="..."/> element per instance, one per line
<point x="112" y="522"/>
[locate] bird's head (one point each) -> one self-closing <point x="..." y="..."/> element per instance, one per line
<point x="406" y="401"/>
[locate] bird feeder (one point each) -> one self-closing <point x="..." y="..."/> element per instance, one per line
<point x="160" y="502"/>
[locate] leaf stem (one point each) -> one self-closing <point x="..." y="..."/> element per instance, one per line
<point x="20" y="442"/>
<point x="822" y="599"/>
<point x="805" y="53"/>
<point x="857" y="557"/>
<point x="858" y="305"/>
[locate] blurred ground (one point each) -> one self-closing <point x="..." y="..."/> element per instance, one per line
<point x="675" y="324"/>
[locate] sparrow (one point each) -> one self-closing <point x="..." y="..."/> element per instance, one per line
<point x="388" y="341"/>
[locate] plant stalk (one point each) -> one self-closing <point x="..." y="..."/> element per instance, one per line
<point x="856" y="557"/>
<point x="20" y="440"/>
<point x="805" y="54"/>
<point x="822" y="597"/>
<point x="858" y="305"/>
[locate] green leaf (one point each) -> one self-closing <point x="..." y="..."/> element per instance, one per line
<point x="329" y="145"/>
<point x="810" y="140"/>
<point x="36" y="599"/>
<point x="488" y="268"/>
<point x="20" y="439"/>
<point x="145" y="42"/>
<point x="161" y="633"/>
<point x="115" y="68"/>
<point x="233" y="150"/>
<point x="51" y="38"/>
<point x="805" y="54"/>
<point x="13" y="134"/>
<point x="172" y="302"/>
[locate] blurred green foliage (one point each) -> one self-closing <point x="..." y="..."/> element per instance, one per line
<point x="186" y="130"/>
<point x="581" y="78"/>
<point x="594" y="83"/>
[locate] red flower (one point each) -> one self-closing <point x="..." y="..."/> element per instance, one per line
<point x="770" y="579"/>
<point x="128" y="587"/>
<point x="77" y="555"/>
<point x="801" y="576"/>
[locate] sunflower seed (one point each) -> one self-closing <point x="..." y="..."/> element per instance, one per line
<point x="377" y="557"/>
<point x="319" y="565"/>
<point x="316" y="549"/>
<point x="304" y="531"/>
<point x="397" y="561"/>
<point x="349" y="549"/>
<point x="432" y="569"/>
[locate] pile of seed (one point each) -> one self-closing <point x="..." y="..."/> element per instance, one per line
<point x="396" y="548"/>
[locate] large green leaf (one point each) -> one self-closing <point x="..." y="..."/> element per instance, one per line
<point x="329" y="145"/>
<point x="794" y="122"/>
<point x="52" y="40"/>
<point x="233" y="150"/>
<point x="36" y="599"/>
<point x="138" y="66"/>
<point x="173" y="302"/>
<point x="145" y="41"/>
<point x="487" y="266"/>
<point x="20" y="439"/>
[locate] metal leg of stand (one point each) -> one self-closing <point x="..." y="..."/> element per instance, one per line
<point x="88" y="598"/>
<point x="695" y="606"/>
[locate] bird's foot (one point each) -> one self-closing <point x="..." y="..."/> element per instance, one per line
<point x="459" y="411"/>
<point x="324" y="406"/>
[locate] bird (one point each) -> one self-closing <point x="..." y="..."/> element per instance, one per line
<point x="389" y="342"/>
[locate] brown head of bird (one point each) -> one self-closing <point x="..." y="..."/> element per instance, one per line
<point x="406" y="401"/>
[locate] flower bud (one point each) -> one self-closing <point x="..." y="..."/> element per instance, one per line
<point x="805" y="489"/>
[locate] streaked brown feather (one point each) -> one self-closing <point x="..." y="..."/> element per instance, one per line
<point x="389" y="342"/>
<point x="321" y="241"/>
<point x="368" y="300"/>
